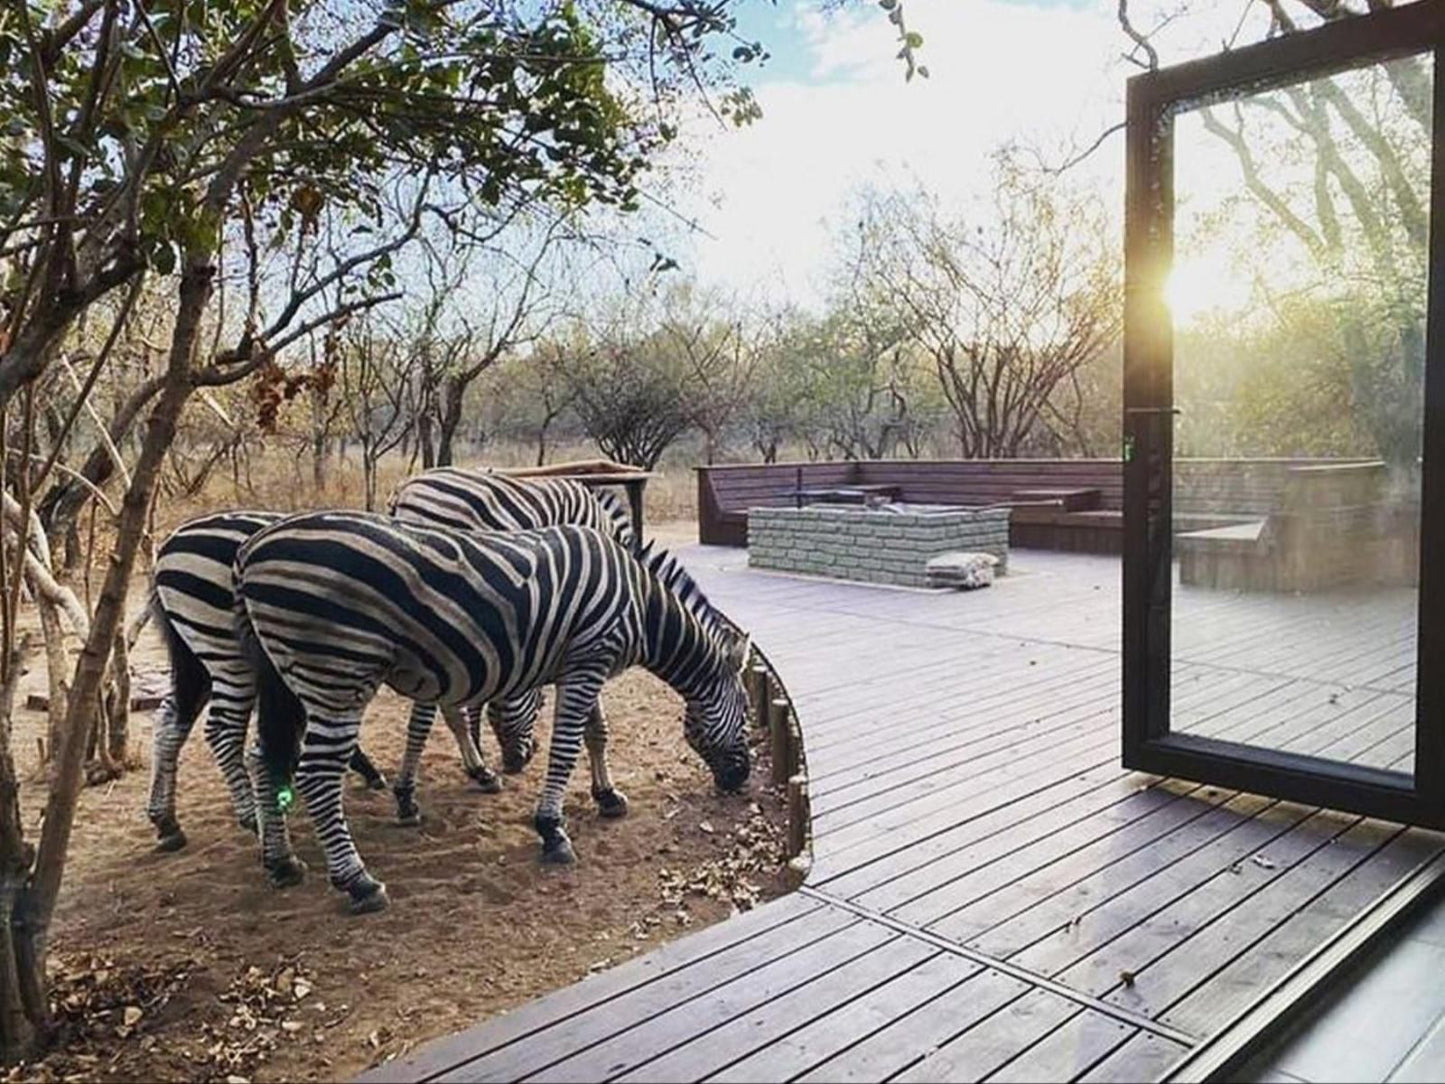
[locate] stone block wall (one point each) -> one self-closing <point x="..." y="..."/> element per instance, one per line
<point x="849" y="543"/>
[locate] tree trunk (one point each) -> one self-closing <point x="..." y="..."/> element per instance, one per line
<point x="450" y="421"/>
<point x="57" y="667"/>
<point x="17" y="1031"/>
<point x="318" y="462"/>
<point x="61" y="506"/>
<point x="30" y="919"/>
<point x="424" y="439"/>
<point x="118" y="702"/>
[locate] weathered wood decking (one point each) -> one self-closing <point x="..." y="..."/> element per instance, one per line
<point x="993" y="897"/>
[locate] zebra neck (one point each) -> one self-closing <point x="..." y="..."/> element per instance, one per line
<point x="676" y="647"/>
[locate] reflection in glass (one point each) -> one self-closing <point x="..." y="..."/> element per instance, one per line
<point x="1299" y="298"/>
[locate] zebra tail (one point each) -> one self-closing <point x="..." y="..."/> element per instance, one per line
<point x="190" y="679"/>
<point x="280" y="716"/>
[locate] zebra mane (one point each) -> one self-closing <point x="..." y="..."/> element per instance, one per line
<point x="617" y="513"/>
<point x="667" y="568"/>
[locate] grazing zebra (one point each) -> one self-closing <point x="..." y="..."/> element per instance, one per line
<point x="468" y="500"/>
<point x="335" y="604"/>
<point x="193" y="602"/>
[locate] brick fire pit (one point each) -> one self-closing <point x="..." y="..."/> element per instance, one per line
<point x="892" y="544"/>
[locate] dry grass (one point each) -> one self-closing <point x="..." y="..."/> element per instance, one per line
<point x="280" y="479"/>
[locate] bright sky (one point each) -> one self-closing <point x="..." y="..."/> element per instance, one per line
<point x="837" y="114"/>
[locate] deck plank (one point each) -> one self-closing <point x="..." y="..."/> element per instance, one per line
<point x="993" y="895"/>
<point x="810" y="1046"/>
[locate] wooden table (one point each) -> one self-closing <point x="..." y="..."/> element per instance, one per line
<point x="633" y="481"/>
<point x="844" y="494"/>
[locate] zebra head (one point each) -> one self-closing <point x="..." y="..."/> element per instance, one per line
<point x="513" y="720"/>
<point x="701" y="654"/>
<point x="715" y="719"/>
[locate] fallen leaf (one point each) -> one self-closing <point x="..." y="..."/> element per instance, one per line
<point x="131" y="1017"/>
<point x="1262" y="862"/>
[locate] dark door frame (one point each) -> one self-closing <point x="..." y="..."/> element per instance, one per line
<point x="1148" y="745"/>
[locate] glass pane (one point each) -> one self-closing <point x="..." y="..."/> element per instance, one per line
<point x="1299" y="297"/>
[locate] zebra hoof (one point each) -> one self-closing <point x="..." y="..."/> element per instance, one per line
<point x="170" y="838"/>
<point x="368" y="895"/>
<point x="559" y="852"/>
<point x="287" y="873"/>
<point x="379" y="783"/>
<point x="515" y="763"/>
<point x="408" y="813"/>
<point x="611" y="804"/>
<point x="486" y="779"/>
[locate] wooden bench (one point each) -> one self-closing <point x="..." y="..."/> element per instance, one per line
<point x="725" y="493"/>
<point x="1065" y="500"/>
<point x="1235" y="557"/>
<point x="1333" y="526"/>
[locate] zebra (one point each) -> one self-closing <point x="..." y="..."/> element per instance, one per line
<point x="193" y="604"/>
<point x="470" y="500"/>
<point x="334" y="604"/>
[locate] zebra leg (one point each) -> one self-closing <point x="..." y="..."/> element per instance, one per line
<point x="513" y="721"/>
<point x="418" y="727"/>
<point x="282" y="866"/>
<point x="472" y="758"/>
<point x="232" y="698"/>
<point x="575" y="701"/>
<point x="611" y="802"/>
<point x="361" y="764"/>
<point x="474" y="724"/>
<point x="177" y="714"/>
<point x="173" y="722"/>
<point x="324" y="755"/>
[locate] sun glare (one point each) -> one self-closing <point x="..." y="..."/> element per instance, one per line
<point x="1202" y="283"/>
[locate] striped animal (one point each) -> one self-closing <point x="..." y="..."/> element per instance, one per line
<point x="333" y="605"/>
<point x="469" y="500"/>
<point x="193" y="602"/>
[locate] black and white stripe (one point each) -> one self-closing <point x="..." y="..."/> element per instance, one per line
<point x="469" y="500"/>
<point x="193" y="603"/>
<point x="335" y="604"/>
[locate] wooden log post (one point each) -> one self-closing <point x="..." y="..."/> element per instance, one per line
<point x="797" y="815"/>
<point x="758" y="693"/>
<point x="781" y="734"/>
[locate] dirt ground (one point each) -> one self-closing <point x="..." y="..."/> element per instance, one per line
<point x="188" y="966"/>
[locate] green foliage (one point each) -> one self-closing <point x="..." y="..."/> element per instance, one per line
<point x="848" y="384"/>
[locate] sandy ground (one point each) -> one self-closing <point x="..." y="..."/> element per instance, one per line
<point x="189" y="966"/>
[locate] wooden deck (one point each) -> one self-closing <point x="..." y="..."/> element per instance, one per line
<point x="993" y="897"/>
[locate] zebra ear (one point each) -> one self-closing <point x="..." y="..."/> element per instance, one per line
<point x="741" y="652"/>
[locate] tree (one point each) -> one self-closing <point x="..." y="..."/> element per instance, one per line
<point x="378" y="382"/>
<point x="630" y="392"/>
<point x="718" y="355"/>
<point x="201" y="147"/>
<point x="848" y="384"/>
<point x="524" y="398"/>
<point x="483" y="301"/>
<point x="1337" y="169"/>
<point x="1008" y="304"/>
